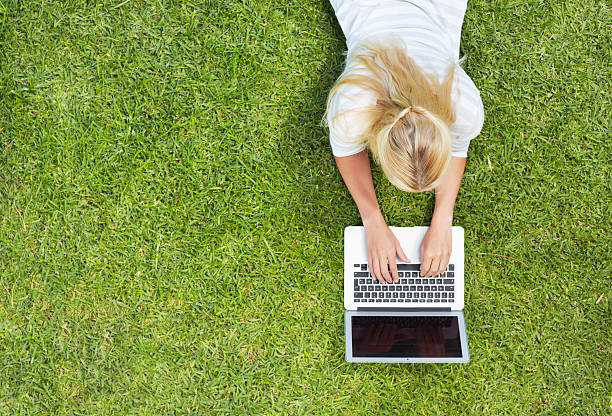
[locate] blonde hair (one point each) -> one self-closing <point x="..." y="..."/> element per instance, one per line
<point x="408" y="126"/>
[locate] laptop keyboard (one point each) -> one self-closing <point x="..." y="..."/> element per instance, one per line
<point x="410" y="287"/>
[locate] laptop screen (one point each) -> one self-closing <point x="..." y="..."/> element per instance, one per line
<point x="406" y="336"/>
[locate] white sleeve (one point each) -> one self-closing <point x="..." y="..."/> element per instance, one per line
<point x="469" y="114"/>
<point x="345" y="127"/>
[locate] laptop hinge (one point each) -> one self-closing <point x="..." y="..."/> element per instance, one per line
<point x="373" y="308"/>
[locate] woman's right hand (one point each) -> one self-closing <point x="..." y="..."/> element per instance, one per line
<point x="383" y="247"/>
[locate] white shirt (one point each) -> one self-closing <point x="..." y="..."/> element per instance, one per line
<point x="431" y="30"/>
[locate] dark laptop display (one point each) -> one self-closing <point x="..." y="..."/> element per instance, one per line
<point x="406" y="336"/>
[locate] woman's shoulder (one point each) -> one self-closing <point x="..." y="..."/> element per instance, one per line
<point x="343" y="119"/>
<point x="346" y="124"/>
<point x="350" y="97"/>
<point x="469" y="112"/>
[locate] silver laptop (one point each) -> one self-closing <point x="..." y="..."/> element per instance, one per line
<point x="416" y="320"/>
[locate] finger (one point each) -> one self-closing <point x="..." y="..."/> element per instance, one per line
<point x="384" y="269"/>
<point x="426" y="265"/>
<point x="400" y="254"/>
<point x="435" y="265"/>
<point x="374" y="269"/>
<point x="444" y="263"/>
<point x="393" y="267"/>
<point x="382" y="265"/>
<point x="371" y="266"/>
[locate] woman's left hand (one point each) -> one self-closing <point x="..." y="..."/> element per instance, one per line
<point x="436" y="249"/>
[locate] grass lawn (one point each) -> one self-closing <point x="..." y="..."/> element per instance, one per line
<point x="171" y="216"/>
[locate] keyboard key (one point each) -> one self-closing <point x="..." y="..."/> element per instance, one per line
<point x="420" y="288"/>
<point x="374" y="281"/>
<point x="391" y="288"/>
<point x="357" y="265"/>
<point x="378" y="300"/>
<point x="404" y="281"/>
<point x="444" y="295"/>
<point x="451" y="267"/>
<point x="402" y="295"/>
<point x="430" y="295"/>
<point x="369" y="281"/>
<point x="409" y="266"/>
<point x="423" y="295"/>
<point x="440" y="288"/>
<point x="443" y="274"/>
<point x="449" y="288"/>
<point x="395" y="295"/>
<point x="364" y="288"/>
<point x="366" y="294"/>
<point x="386" y="300"/>
<point x="438" y="281"/>
<point x="401" y="300"/>
<point x="388" y="295"/>
<point x="371" y="300"/>
<point x="437" y="295"/>
<point x="449" y="281"/>
<point x="357" y="300"/>
<point x="408" y="295"/>
<point x="426" y="288"/>
<point x="436" y="300"/>
<point x="421" y="300"/>
<point x="415" y="274"/>
<point x="358" y="295"/>
<point x="361" y="281"/>
<point x="434" y="288"/>
<point x="450" y="274"/>
<point x="413" y="288"/>
<point x="374" y="295"/>
<point x="406" y="288"/>
<point x="393" y="300"/>
<point x="364" y="267"/>
<point x="371" y="288"/>
<point x="415" y="300"/>
<point x="432" y="281"/>
<point x="443" y="300"/>
<point x="410" y="281"/>
<point x="451" y="295"/>
<point x="400" y="274"/>
<point x="418" y="281"/>
<point x="361" y="274"/>
<point x="429" y="300"/>
<point x="385" y="288"/>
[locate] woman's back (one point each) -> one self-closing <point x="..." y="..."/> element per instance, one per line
<point x="431" y="28"/>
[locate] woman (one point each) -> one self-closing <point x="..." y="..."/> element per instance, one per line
<point x="403" y="96"/>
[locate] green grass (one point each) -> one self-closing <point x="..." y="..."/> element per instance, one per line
<point x="172" y="218"/>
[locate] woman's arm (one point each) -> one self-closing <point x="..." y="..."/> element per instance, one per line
<point x="382" y="245"/>
<point x="437" y="244"/>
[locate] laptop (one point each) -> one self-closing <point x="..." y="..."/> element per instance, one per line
<point x="416" y="320"/>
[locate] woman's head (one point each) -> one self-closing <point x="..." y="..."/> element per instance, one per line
<point x="414" y="150"/>
<point x="408" y="128"/>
